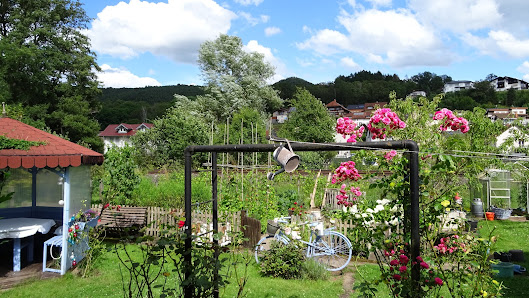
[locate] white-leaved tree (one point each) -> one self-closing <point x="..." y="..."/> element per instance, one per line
<point x="234" y="79"/>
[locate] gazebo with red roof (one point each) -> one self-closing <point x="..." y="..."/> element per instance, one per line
<point x="51" y="180"/>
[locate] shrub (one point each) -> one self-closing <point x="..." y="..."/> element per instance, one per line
<point x="314" y="270"/>
<point x="282" y="260"/>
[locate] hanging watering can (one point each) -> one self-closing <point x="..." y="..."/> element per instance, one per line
<point x="287" y="159"/>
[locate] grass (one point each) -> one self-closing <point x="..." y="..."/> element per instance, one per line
<point x="106" y="282"/>
<point x="511" y="235"/>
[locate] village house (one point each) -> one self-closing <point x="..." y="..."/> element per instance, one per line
<point x="119" y="134"/>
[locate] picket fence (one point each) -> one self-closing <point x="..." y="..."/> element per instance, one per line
<point x="159" y="217"/>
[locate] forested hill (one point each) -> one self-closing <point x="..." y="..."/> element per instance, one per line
<point x="138" y="105"/>
<point x="364" y="86"/>
<point x="150" y="94"/>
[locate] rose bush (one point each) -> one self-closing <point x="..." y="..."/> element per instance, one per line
<point x="381" y="225"/>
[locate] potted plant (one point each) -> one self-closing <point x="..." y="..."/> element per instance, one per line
<point x="501" y="212"/>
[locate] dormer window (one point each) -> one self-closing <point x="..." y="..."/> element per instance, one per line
<point x="122" y="129"/>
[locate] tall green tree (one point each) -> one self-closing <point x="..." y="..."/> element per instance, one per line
<point x="165" y="142"/>
<point x="45" y="61"/>
<point x="235" y="79"/>
<point x="310" y="122"/>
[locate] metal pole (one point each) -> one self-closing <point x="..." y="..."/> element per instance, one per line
<point x="415" y="213"/>
<point x="409" y="145"/>
<point x="188" y="267"/>
<point x="215" y="223"/>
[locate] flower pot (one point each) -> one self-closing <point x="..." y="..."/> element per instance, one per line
<point x="504" y="269"/>
<point x="489" y="215"/>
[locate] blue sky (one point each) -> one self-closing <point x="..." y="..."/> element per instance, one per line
<point x="151" y="43"/>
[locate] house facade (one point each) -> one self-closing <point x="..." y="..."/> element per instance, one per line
<point x="119" y="134"/>
<point x="336" y="109"/>
<point x="506" y="83"/>
<point x="455" y="86"/>
<point x="508" y="115"/>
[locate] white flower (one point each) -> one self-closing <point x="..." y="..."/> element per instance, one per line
<point x="365" y="215"/>
<point x="394" y="221"/>
<point x="353" y="209"/>
<point x="344" y="208"/>
<point x="383" y="202"/>
<point x="369" y="210"/>
<point x="379" y="208"/>
<point x="357" y="215"/>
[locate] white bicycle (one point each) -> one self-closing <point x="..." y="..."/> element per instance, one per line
<point x="329" y="248"/>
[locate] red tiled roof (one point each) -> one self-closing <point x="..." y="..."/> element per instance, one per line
<point x="333" y="104"/>
<point x="56" y="151"/>
<point x="110" y="131"/>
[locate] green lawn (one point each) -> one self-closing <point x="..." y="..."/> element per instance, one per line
<point x="511" y="235"/>
<point x="106" y="282"/>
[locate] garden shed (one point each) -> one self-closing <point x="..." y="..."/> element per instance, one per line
<point x="503" y="188"/>
<point x="49" y="182"/>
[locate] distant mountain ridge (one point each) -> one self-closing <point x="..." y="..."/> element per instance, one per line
<point x="151" y="94"/>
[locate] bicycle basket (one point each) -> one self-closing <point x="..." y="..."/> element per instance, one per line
<point x="272" y="227"/>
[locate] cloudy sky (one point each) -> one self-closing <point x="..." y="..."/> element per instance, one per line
<point x="152" y="43"/>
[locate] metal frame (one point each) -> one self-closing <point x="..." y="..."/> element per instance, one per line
<point x="413" y="165"/>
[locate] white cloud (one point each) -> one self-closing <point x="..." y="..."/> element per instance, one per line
<point x="374" y="58"/>
<point x="254" y="20"/>
<point x="306" y="29"/>
<point x="394" y="34"/>
<point x="174" y="29"/>
<point x="269" y="31"/>
<point x="499" y="41"/>
<point x="380" y="3"/>
<point x="280" y="67"/>
<point x="524" y="68"/>
<point x="348" y="62"/>
<point x="249" y="2"/>
<point x="122" y="78"/>
<point x="458" y="15"/>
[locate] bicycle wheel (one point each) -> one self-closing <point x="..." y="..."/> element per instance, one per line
<point x="264" y="245"/>
<point x="332" y="250"/>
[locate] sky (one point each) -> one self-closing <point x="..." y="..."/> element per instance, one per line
<point x="156" y="43"/>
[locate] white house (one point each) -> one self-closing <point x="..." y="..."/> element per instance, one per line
<point x="505" y="83"/>
<point x="119" y="134"/>
<point x="515" y="137"/>
<point x="455" y="86"/>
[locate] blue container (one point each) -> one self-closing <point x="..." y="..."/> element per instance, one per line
<point x="504" y="269"/>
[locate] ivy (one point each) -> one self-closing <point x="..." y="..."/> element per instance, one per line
<point x="7" y="143"/>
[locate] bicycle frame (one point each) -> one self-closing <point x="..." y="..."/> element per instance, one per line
<point x="281" y="236"/>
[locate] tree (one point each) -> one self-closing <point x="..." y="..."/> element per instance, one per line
<point x="235" y="79"/>
<point x="120" y="177"/>
<point x="165" y="142"/>
<point x="511" y="97"/>
<point x="45" y="60"/>
<point x="430" y="82"/>
<point x="310" y="122"/>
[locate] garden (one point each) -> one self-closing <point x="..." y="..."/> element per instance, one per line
<point x="372" y="209"/>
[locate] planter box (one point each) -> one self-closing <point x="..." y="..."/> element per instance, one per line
<point x="501" y="213"/>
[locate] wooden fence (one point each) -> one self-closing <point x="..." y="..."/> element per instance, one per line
<point x="157" y="217"/>
<point x="330" y="202"/>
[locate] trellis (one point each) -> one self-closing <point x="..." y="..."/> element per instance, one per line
<point x="412" y="214"/>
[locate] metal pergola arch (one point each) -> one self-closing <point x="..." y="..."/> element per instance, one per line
<point x="413" y="167"/>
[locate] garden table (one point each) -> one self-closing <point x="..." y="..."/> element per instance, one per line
<point x="19" y="228"/>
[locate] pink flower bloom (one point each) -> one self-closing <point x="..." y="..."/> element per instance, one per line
<point x="403" y="269"/>
<point x="394" y="262"/>
<point x="389" y="155"/>
<point x="425" y="265"/>
<point x="404" y="259"/>
<point x="438" y="281"/>
<point x="397" y="277"/>
<point x="419" y="258"/>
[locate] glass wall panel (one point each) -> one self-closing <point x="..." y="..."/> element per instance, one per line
<point x="49" y="188"/>
<point x="80" y="190"/>
<point x="19" y="182"/>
